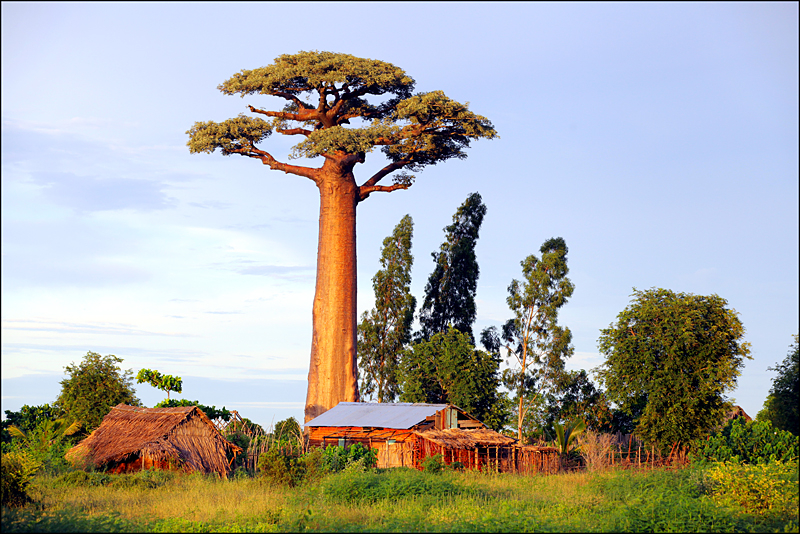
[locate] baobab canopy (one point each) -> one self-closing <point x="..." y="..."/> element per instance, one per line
<point x="327" y="106"/>
<point x="324" y="91"/>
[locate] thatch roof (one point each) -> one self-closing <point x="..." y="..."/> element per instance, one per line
<point x="737" y="411"/>
<point x="459" y="438"/>
<point x="183" y="434"/>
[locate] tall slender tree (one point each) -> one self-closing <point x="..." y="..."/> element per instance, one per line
<point x="450" y="291"/>
<point x="533" y="337"/>
<point x="386" y="329"/>
<point x="326" y="94"/>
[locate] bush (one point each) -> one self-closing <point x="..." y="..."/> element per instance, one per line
<point x="336" y="458"/>
<point x="18" y="469"/>
<point x="760" y="489"/>
<point x="282" y="466"/>
<point x="594" y="449"/>
<point x="433" y="464"/>
<point x="756" y="442"/>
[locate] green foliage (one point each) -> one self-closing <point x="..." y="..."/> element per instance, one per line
<point x="231" y="136"/>
<point x="324" y="91"/>
<point x="47" y="443"/>
<point x="669" y="359"/>
<point x="27" y="418"/>
<point x="761" y="489"/>
<point x="450" y="291"/>
<point x="93" y="387"/>
<point x="336" y="458"/>
<point x="282" y="466"/>
<point x="449" y="369"/>
<point x="70" y="520"/>
<point x="386" y="329"/>
<point x="157" y="380"/>
<point x="566" y="435"/>
<point x="18" y="468"/>
<point x="394" y="484"/>
<point x="782" y="406"/>
<point x="147" y="479"/>
<point x="539" y="346"/>
<point x="433" y="464"/>
<point x="211" y="411"/>
<point x="755" y="442"/>
<point x="662" y="501"/>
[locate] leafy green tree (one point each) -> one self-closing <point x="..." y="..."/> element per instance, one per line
<point x="326" y="106"/>
<point x="450" y="291"/>
<point x="449" y="369"/>
<point x="781" y="406"/>
<point x="157" y="380"/>
<point x="533" y="337"/>
<point x="575" y="397"/>
<point x="670" y="357"/>
<point x="93" y="387"/>
<point x="386" y="329"/>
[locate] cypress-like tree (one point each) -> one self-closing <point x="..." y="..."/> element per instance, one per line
<point x="386" y="329"/>
<point x="450" y="291"/>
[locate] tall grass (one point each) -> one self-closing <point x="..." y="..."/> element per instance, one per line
<point x="686" y="500"/>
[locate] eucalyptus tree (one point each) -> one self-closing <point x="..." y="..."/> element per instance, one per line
<point x="533" y="337"/>
<point x="326" y="107"/>
<point x="450" y="291"/>
<point x="385" y="330"/>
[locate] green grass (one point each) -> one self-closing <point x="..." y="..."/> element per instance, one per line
<point x="687" y="500"/>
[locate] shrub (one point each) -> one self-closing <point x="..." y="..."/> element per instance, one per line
<point x="433" y="464"/>
<point x="282" y="466"/>
<point x="759" y="488"/>
<point x="594" y="448"/>
<point x="755" y="442"/>
<point x="18" y="469"/>
<point x="336" y="458"/>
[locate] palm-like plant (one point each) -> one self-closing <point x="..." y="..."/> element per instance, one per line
<point x="45" y="434"/>
<point x="566" y="434"/>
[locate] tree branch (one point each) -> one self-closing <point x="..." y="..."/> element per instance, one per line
<point x="295" y="131"/>
<point x="378" y="176"/>
<point x="302" y="115"/>
<point x="267" y="159"/>
<point x="364" y="192"/>
<point x="293" y="98"/>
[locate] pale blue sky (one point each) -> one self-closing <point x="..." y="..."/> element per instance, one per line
<point x="659" y="140"/>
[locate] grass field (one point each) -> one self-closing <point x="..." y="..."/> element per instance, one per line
<point x="705" y="499"/>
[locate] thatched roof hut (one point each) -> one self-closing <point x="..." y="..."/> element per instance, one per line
<point x="132" y="438"/>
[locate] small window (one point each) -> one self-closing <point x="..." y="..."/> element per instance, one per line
<point x="390" y="442"/>
<point x="341" y="442"/>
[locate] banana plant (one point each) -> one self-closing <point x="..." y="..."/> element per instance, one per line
<point x="566" y="434"/>
<point x="46" y="434"/>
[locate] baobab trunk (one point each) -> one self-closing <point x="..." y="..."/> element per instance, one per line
<point x="333" y="375"/>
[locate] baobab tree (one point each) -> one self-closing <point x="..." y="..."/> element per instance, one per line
<point x="326" y="105"/>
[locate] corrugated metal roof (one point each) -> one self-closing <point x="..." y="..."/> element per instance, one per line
<point x="377" y="415"/>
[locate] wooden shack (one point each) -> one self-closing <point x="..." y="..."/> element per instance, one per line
<point x="406" y="433"/>
<point x="132" y="439"/>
